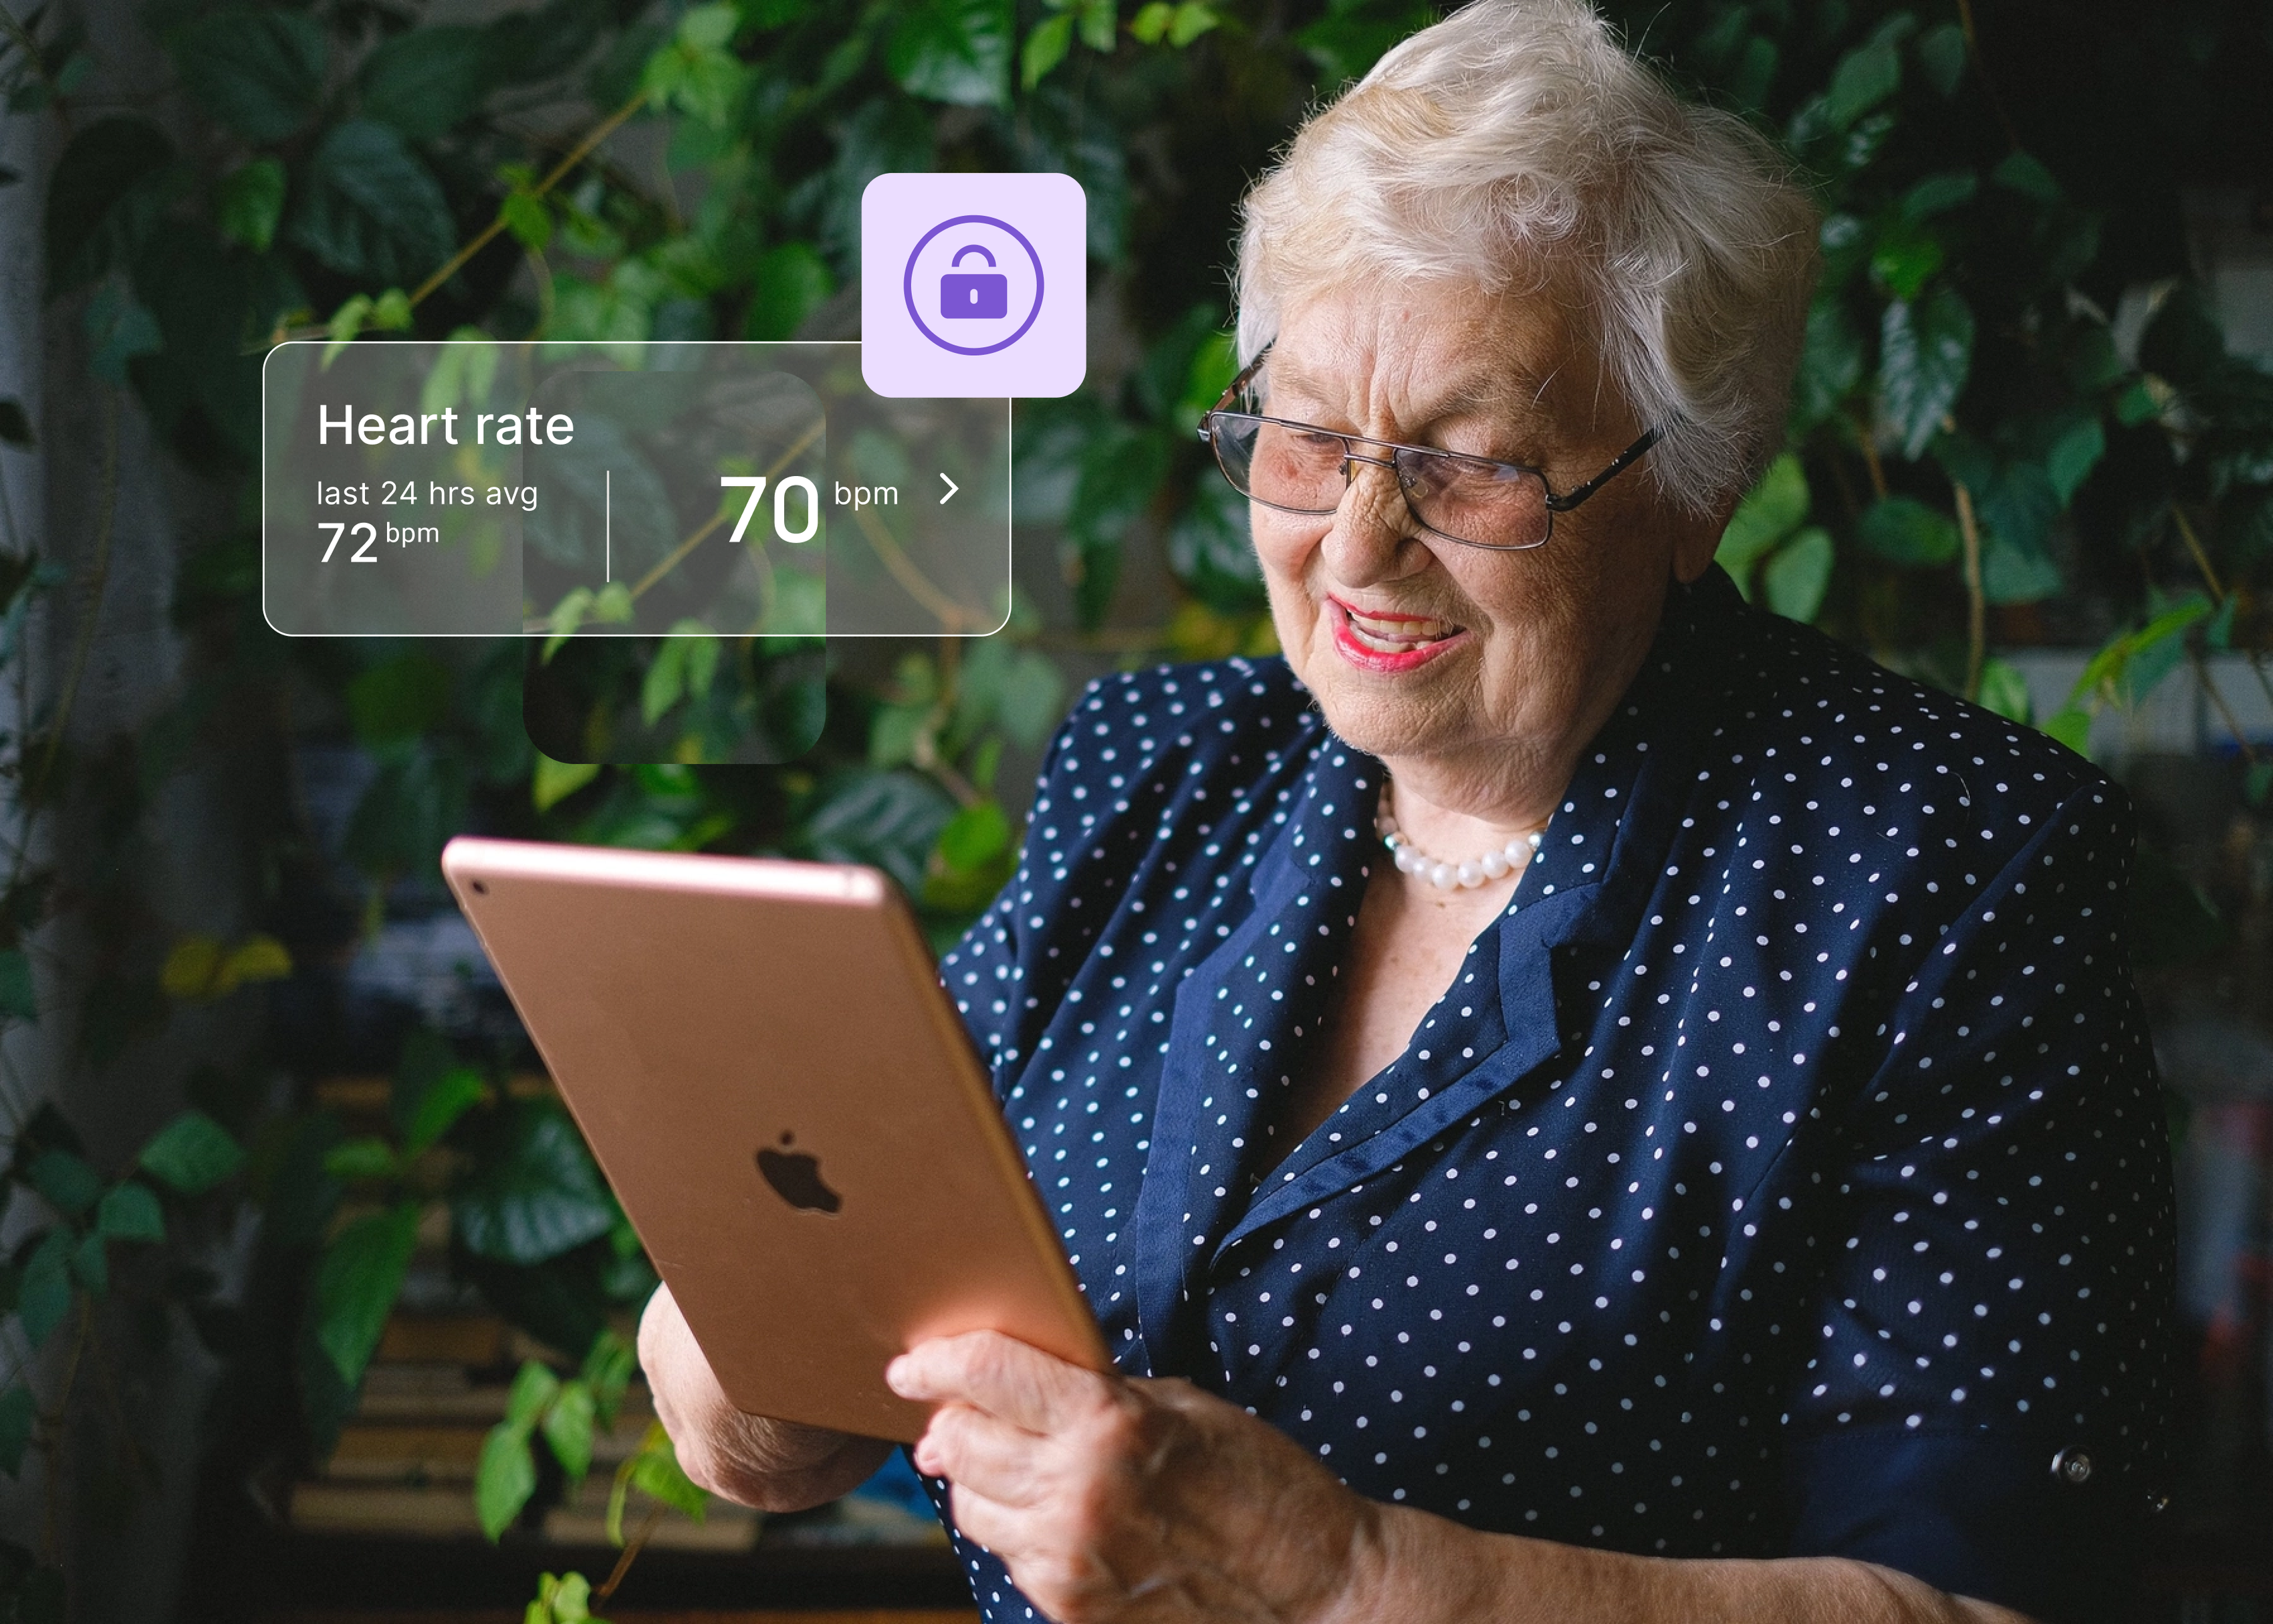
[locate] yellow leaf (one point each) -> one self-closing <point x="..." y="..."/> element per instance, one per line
<point x="256" y="958"/>
<point x="191" y="968"/>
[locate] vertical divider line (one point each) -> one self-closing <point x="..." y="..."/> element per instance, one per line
<point x="607" y="525"/>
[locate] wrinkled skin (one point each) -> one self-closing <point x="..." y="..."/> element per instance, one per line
<point x="1116" y="1500"/>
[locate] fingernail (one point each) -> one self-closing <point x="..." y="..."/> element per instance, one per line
<point x="895" y="1370"/>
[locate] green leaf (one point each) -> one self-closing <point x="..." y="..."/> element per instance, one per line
<point x="360" y="1159"/>
<point x="975" y="836"/>
<point x="1864" y="77"/>
<point x="18" y="1413"/>
<point x="789" y="283"/>
<point x="399" y="699"/>
<point x="533" y="1386"/>
<point x="1939" y="194"/>
<point x="192" y="1154"/>
<point x="1796" y="576"/>
<point x="2014" y="572"/>
<point x="654" y="1472"/>
<point x="260" y="72"/>
<point x="536" y="1196"/>
<point x="1941" y="53"/>
<point x="19" y="998"/>
<point x="2137" y="404"/>
<point x="1192" y="20"/>
<point x="565" y="1600"/>
<point x="665" y="680"/>
<point x="45" y="1297"/>
<point x="1830" y="364"/>
<point x="370" y="209"/>
<point x="64" y="1181"/>
<point x="249" y="201"/>
<point x="118" y="329"/>
<point x="503" y="1479"/>
<point x="1098" y="23"/>
<point x="426" y="80"/>
<point x="609" y="1363"/>
<point x="390" y="311"/>
<point x="1904" y="257"/>
<point x="1149" y="26"/>
<point x="2023" y="173"/>
<point x="447" y="1098"/>
<point x="91" y="1263"/>
<point x="1925" y="355"/>
<point x="2258" y="784"/>
<point x="2019" y="505"/>
<point x="105" y="165"/>
<point x="1046" y="46"/>
<point x="2129" y="666"/>
<point x="130" y="1211"/>
<point x="552" y="782"/>
<point x="956" y="51"/>
<point x="708" y="28"/>
<point x="1908" y="532"/>
<point x="2074" y="455"/>
<point x="567" y="1427"/>
<point x="529" y="218"/>
<point x="1212" y="552"/>
<point x="1770" y="511"/>
<point x="2006" y="691"/>
<point x="2072" y="726"/>
<point x="889" y="819"/>
<point x="356" y="1283"/>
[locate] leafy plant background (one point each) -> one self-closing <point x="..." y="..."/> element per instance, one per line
<point x="2017" y="423"/>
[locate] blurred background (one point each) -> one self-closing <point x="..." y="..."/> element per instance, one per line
<point x="316" y="1307"/>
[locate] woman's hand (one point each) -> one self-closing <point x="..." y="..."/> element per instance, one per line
<point x="1116" y="1500"/>
<point x="773" y="1465"/>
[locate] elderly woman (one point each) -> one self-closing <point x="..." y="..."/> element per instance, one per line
<point x="1571" y="1097"/>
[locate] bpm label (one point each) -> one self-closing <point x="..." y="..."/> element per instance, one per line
<point x="974" y="285"/>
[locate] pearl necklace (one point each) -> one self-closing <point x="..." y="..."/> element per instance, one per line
<point x="1410" y="858"/>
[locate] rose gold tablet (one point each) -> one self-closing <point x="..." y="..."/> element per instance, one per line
<point x="763" y="1061"/>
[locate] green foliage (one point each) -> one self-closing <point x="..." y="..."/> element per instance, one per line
<point x="356" y="1282"/>
<point x="536" y="1194"/>
<point x="192" y="1154"/>
<point x="954" y="50"/>
<point x="259" y="73"/>
<point x="565" y="1414"/>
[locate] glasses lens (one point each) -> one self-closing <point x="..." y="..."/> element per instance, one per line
<point x="1484" y="504"/>
<point x="1293" y="468"/>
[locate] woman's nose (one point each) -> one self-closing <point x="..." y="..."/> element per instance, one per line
<point x="1374" y="537"/>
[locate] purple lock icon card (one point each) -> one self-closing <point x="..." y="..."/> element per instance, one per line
<point x="974" y="285"/>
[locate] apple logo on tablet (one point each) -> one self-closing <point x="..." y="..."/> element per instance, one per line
<point x="796" y="1179"/>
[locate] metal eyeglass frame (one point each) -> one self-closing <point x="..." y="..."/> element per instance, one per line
<point x="1554" y="504"/>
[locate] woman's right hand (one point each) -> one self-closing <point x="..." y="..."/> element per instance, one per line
<point x="753" y="1460"/>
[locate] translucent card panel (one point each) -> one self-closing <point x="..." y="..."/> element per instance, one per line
<point x="724" y="490"/>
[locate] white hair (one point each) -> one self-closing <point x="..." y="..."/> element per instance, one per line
<point x="1517" y="135"/>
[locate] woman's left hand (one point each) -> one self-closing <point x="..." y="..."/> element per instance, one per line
<point x="1117" y="1499"/>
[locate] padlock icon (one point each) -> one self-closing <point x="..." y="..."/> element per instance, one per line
<point x="976" y="295"/>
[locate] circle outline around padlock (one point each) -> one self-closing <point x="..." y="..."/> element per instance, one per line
<point x="907" y="284"/>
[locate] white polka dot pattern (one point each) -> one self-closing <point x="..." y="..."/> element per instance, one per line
<point x="1799" y="1094"/>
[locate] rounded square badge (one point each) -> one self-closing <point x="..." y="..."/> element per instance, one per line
<point x="974" y="285"/>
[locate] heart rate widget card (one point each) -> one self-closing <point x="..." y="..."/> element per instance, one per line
<point x="974" y="285"/>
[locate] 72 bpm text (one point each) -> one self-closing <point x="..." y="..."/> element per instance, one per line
<point x="366" y="535"/>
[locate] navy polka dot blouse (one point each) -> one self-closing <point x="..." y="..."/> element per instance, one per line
<point x="1783" y="1174"/>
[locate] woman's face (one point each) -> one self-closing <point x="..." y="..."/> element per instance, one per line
<point x="1419" y="650"/>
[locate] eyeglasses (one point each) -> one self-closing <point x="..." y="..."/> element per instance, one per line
<point x="1475" y="501"/>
